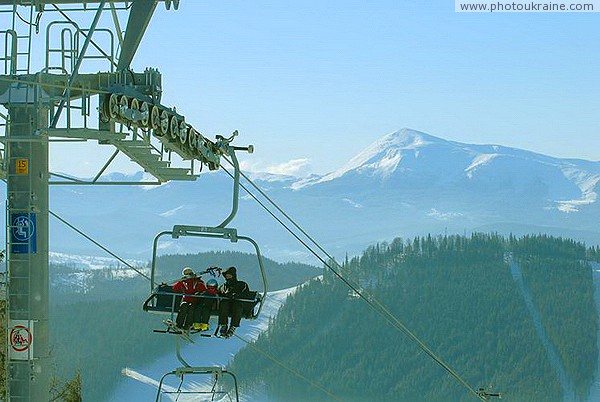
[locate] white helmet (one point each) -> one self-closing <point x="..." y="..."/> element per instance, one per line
<point x="187" y="271"/>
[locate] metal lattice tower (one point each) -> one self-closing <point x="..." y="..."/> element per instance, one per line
<point x="63" y="102"/>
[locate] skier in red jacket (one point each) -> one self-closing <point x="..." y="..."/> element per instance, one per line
<point x="189" y="285"/>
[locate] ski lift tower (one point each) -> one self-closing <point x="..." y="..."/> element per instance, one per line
<point x="63" y="102"/>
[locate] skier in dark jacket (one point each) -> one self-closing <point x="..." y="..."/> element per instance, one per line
<point x="189" y="285"/>
<point x="231" y="290"/>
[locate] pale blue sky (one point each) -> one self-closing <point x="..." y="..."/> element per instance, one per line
<point x="323" y="79"/>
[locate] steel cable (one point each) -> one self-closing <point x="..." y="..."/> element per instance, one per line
<point x="372" y="301"/>
<point x="98" y="244"/>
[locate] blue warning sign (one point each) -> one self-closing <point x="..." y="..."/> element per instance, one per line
<point x="23" y="233"/>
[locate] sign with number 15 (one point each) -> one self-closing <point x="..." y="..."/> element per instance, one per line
<point x="22" y="166"/>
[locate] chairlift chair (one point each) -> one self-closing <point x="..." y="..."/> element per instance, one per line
<point x="163" y="300"/>
<point x="213" y="394"/>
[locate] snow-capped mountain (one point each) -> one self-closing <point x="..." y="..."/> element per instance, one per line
<point x="382" y="158"/>
<point x="409" y="158"/>
<point x="406" y="183"/>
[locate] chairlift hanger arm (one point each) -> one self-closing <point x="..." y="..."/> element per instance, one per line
<point x="236" y="182"/>
<point x="262" y="269"/>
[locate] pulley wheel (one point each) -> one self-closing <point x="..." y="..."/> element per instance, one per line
<point x="155" y="118"/>
<point x="123" y="101"/>
<point x="145" y="114"/>
<point x="199" y="142"/>
<point x="193" y="137"/>
<point x="164" y="123"/>
<point x="183" y="132"/>
<point x="174" y="128"/>
<point x="113" y="106"/>
<point x="135" y="104"/>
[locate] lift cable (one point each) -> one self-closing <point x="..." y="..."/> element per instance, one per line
<point x="290" y="369"/>
<point x="372" y="301"/>
<point x="99" y="245"/>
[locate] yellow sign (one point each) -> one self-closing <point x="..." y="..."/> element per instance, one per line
<point x="22" y="166"/>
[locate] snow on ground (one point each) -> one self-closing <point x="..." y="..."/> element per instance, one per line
<point x="89" y="261"/>
<point x="480" y="160"/>
<point x="551" y="352"/>
<point x="82" y="269"/>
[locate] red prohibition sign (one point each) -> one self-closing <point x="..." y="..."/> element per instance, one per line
<point x="20" y="338"/>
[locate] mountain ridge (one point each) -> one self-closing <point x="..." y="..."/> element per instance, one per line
<point x="407" y="183"/>
<point x="401" y="149"/>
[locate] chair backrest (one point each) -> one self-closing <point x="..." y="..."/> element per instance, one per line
<point x="248" y="306"/>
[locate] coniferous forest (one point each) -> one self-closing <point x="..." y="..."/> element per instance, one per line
<point x="459" y="295"/>
<point x="456" y="294"/>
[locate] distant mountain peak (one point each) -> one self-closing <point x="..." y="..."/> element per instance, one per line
<point x="403" y="139"/>
<point x="383" y="156"/>
<point x="408" y="138"/>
